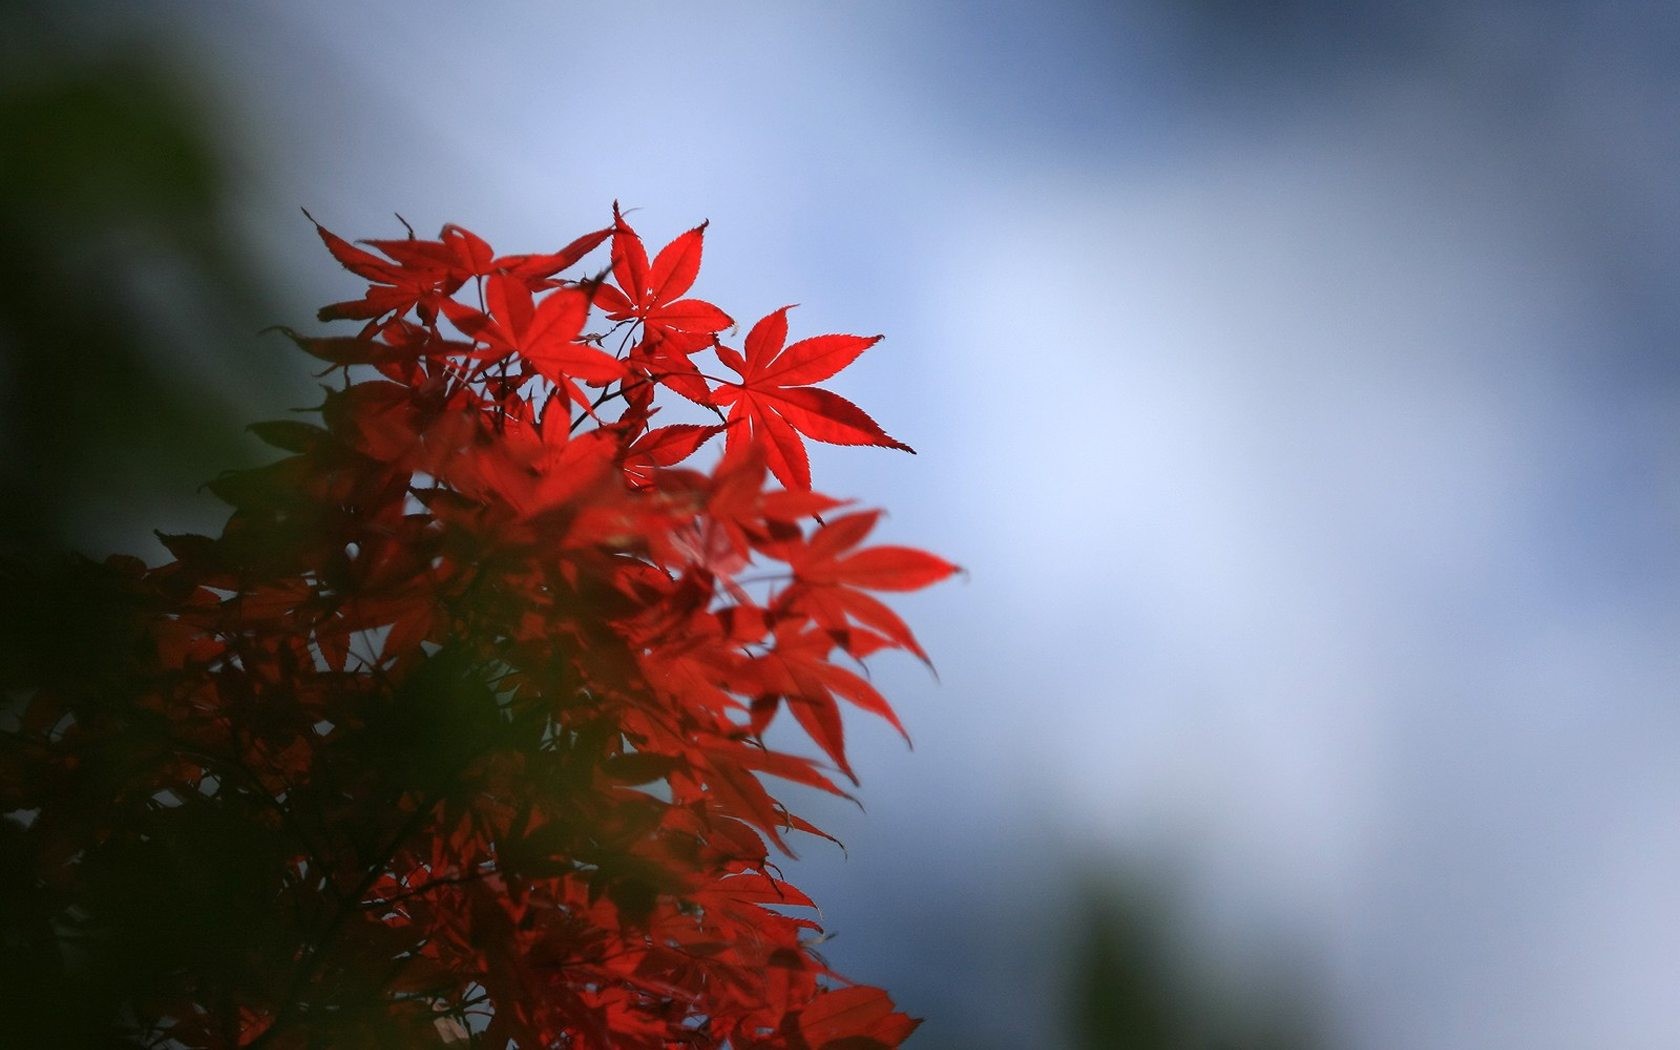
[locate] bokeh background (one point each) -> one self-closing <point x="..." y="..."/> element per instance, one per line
<point x="1298" y="381"/>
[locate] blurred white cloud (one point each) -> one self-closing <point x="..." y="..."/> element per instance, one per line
<point x="1286" y="472"/>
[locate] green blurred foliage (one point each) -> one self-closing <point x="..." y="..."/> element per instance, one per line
<point x="1135" y="985"/>
<point x="120" y="276"/>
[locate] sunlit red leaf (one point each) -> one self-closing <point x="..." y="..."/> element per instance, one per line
<point x="652" y="294"/>
<point x="776" y="404"/>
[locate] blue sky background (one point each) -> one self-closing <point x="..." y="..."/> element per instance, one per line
<point x="1298" y="382"/>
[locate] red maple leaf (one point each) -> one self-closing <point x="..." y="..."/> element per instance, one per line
<point x="421" y="274"/>
<point x="777" y="402"/>
<point x="664" y="447"/>
<point x="798" y="671"/>
<point x="544" y="334"/>
<point x="829" y="583"/>
<point x="653" y="294"/>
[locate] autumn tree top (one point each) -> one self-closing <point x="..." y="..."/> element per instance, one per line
<point x="461" y="714"/>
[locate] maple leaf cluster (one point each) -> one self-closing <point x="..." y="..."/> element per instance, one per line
<point x="454" y="733"/>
